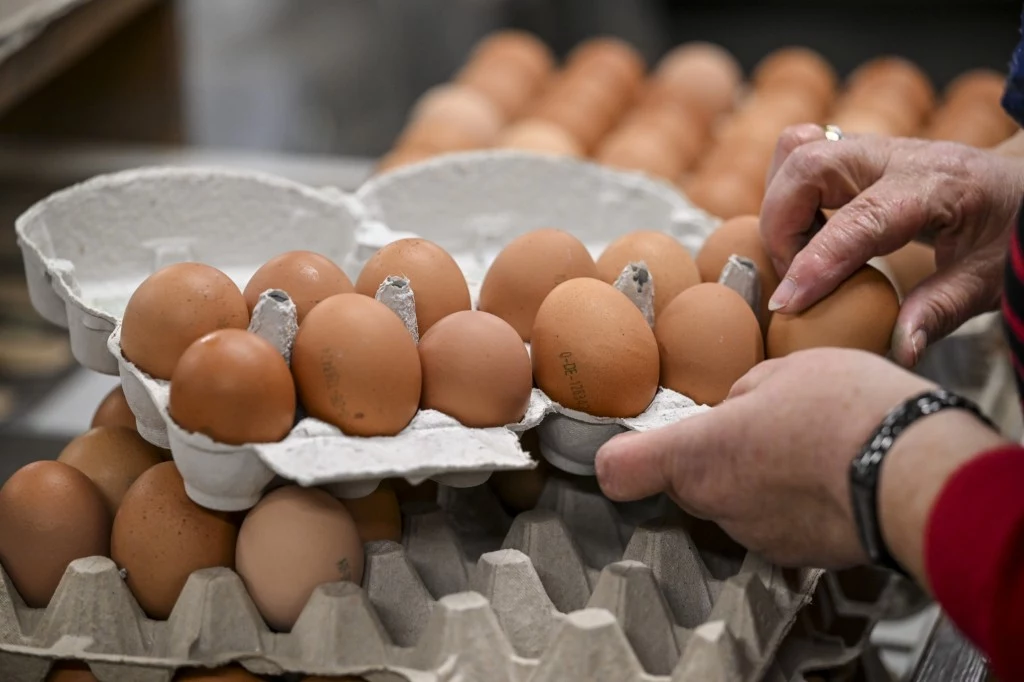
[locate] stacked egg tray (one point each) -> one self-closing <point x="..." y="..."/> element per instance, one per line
<point x="584" y="590"/>
<point x="578" y="588"/>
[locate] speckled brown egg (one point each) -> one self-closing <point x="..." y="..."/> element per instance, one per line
<point x="593" y="351"/>
<point x="161" y="536"/>
<point x="526" y="271"/>
<point x="113" y="410"/>
<point x="70" y="671"/>
<point x="230" y="673"/>
<point x="356" y="366"/>
<point x="306" y="277"/>
<point x="377" y="516"/>
<point x="707" y="75"/>
<point x="292" y="541"/>
<point x="52" y="514"/>
<point x="740" y="236"/>
<point x="642" y="148"/>
<point x="860" y="313"/>
<point x="708" y="337"/>
<point x="476" y="370"/>
<point x="726" y="194"/>
<point x="543" y="137"/>
<point x="234" y="387"/>
<point x="172" y="308"/>
<point x="113" y="457"/>
<point x="670" y="264"/>
<point x="437" y="283"/>
<point x="797" y="68"/>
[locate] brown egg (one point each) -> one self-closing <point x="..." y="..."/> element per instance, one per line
<point x="475" y="369"/>
<point x="705" y="74"/>
<point x="889" y="100"/>
<point x="797" y="68"/>
<point x="520" y="47"/>
<point x="670" y="264"/>
<point x="70" y="671"/>
<point x="860" y="313"/>
<point x="356" y="366"/>
<point x="708" y="337"/>
<point x="595" y="91"/>
<point x="424" y="491"/>
<point x="985" y="85"/>
<point x="114" y="411"/>
<point x="911" y="265"/>
<point x="900" y="72"/>
<point x="172" y="308"/>
<point x="740" y="236"/>
<point x="863" y="122"/>
<point x="747" y="158"/>
<point x="687" y="133"/>
<point x="642" y="148"/>
<point x="403" y="156"/>
<point x="976" y="125"/>
<point x="377" y="516"/>
<point x="440" y="135"/>
<point x="112" y="457"/>
<point x="437" y="283"/>
<point x="506" y="83"/>
<point x="52" y="514"/>
<point x="613" y="56"/>
<point x="234" y="387"/>
<point x="161" y="536"/>
<point x="784" y="107"/>
<point x="293" y="540"/>
<point x="231" y="673"/>
<point x="526" y="271"/>
<point x="726" y="194"/>
<point x="587" y="126"/>
<point x="593" y="351"/>
<point x="306" y="277"/>
<point x="520" y="491"/>
<point x="544" y="137"/>
<point x="462" y="105"/>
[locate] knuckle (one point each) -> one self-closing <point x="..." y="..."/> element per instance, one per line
<point x="795" y="136"/>
<point x="808" y="161"/>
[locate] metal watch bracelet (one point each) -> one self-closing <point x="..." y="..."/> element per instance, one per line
<point x="865" y="470"/>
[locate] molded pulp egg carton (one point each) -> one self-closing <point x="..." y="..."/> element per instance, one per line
<point x="87" y="248"/>
<point x="578" y="589"/>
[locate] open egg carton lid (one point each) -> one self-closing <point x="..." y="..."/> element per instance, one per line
<point x="577" y="589"/>
<point x="87" y="248"/>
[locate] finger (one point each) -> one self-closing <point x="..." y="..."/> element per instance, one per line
<point x="791" y="138"/>
<point x="881" y="219"/>
<point x="816" y="175"/>
<point x="757" y="375"/>
<point x="682" y="459"/>
<point x="937" y="307"/>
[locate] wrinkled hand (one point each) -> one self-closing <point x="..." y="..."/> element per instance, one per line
<point x="770" y="464"/>
<point x="889" y="191"/>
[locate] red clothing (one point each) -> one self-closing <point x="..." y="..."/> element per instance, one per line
<point x="974" y="556"/>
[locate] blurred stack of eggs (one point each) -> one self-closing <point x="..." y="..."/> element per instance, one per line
<point x="691" y="120"/>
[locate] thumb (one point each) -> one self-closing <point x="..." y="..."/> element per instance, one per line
<point x="677" y="459"/>
<point x="937" y="307"/>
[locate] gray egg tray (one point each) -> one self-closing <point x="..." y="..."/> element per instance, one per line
<point x="577" y="589"/>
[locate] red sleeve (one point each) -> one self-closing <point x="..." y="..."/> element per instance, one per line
<point x="974" y="555"/>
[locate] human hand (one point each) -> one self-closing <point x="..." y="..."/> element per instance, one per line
<point x="888" y="192"/>
<point x="771" y="463"/>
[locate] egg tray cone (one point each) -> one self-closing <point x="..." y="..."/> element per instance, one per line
<point x="471" y="593"/>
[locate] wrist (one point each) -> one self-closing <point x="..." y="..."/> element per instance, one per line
<point x="917" y="467"/>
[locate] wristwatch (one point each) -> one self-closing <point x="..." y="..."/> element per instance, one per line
<point x="865" y="470"/>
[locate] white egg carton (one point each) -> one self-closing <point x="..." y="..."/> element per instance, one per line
<point x="88" y="247"/>
<point x="577" y="590"/>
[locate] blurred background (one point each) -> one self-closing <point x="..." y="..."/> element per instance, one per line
<point x="318" y="90"/>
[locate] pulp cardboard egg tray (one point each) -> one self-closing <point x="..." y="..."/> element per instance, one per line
<point x="87" y="248"/>
<point x="577" y="589"/>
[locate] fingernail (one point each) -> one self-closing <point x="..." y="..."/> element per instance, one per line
<point x="918" y="341"/>
<point x="783" y="295"/>
<point x="616" y="443"/>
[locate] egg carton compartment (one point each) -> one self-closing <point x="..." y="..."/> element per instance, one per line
<point x="571" y="590"/>
<point x="88" y="247"/>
